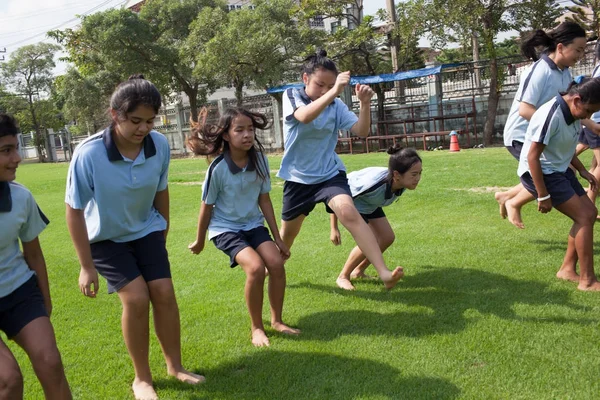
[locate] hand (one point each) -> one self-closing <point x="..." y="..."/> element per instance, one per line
<point x="196" y="247"/>
<point x="283" y="249"/>
<point x="87" y="278"/>
<point x="591" y="179"/>
<point x="545" y="206"/>
<point x="364" y="93"/>
<point x="342" y="80"/>
<point x="335" y="237"/>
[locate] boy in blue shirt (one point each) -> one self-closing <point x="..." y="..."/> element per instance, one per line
<point x="25" y="304"/>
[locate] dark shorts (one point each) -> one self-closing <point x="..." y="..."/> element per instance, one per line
<point x="515" y="149"/>
<point x="299" y="198"/>
<point x="21" y="307"/>
<point x="561" y="186"/>
<point x="588" y="138"/>
<point x="231" y="243"/>
<point x="121" y="263"/>
<point x="378" y="213"/>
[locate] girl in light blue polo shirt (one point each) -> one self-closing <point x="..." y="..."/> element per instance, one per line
<point x="540" y="82"/>
<point x="118" y="216"/>
<point x="373" y="188"/>
<point x="25" y="304"/>
<point x="312" y="170"/>
<point x="235" y="204"/>
<point x="548" y="150"/>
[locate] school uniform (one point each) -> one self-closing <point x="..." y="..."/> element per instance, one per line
<point x="540" y="83"/>
<point x="21" y="300"/>
<point x="371" y="191"/>
<point x="586" y="136"/>
<point x="125" y="231"/>
<point x="312" y="170"/>
<point x="555" y="127"/>
<point x="236" y="221"/>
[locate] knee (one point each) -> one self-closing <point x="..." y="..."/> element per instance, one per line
<point x="276" y="269"/>
<point x="163" y="295"/>
<point x="347" y="214"/>
<point x="11" y="382"/>
<point x="138" y="302"/>
<point x="49" y="360"/>
<point x="592" y="214"/>
<point x="255" y="271"/>
<point x="387" y="240"/>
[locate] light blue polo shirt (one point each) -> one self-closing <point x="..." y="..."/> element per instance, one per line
<point x="309" y="149"/>
<point x="595" y="74"/>
<point x="20" y="219"/>
<point x="370" y="189"/>
<point x="234" y="193"/>
<point x="553" y="125"/>
<point x="118" y="193"/>
<point x="539" y="84"/>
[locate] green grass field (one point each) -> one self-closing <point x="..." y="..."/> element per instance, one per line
<point x="479" y="314"/>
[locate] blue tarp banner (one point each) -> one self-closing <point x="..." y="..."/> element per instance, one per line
<point x="369" y="80"/>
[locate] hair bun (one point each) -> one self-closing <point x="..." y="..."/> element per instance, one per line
<point x="136" y="76"/>
<point x="321" y="53"/>
<point x="394" y="149"/>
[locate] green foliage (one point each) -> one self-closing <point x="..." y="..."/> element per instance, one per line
<point x="536" y="14"/>
<point x="587" y="14"/>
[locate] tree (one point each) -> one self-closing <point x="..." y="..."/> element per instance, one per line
<point x="587" y="14"/>
<point x="536" y="14"/>
<point x="29" y="73"/>
<point x="152" y="42"/>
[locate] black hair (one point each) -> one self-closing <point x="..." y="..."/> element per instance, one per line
<point x="588" y="89"/>
<point x="207" y="139"/>
<point x="8" y="125"/>
<point x="565" y="34"/>
<point x="134" y="92"/>
<point x="401" y="159"/>
<point x="318" y="60"/>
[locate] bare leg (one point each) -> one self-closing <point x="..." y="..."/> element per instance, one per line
<point x="596" y="172"/>
<point x="254" y="267"/>
<point x="38" y="341"/>
<point x="135" y="299"/>
<point x="11" y="379"/>
<point x="168" y="331"/>
<point x="503" y="197"/>
<point x="290" y="229"/>
<point x="568" y="268"/>
<point x="269" y="253"/>
<point x="514" y="205"/>
<point x="347" y="214"/>
<point x="583" y="213"/>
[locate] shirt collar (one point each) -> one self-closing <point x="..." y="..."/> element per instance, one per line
<point x="566" y="111"/>
<point x="113" y="152"/>
<point x="550" y="63"/>
<point x="5" y="198"/>
<point x="233" y="168"/>
<point x="389" y="193"/>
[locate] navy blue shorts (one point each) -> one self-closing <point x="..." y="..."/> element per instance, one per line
<point x="589" y="138"/>
<point x="121" y="263"/>
<point x="561" y="186"/>
<point x="21" y="307"/>
<point x="378" y="213"/>
<point x="231" y="243"/>
<point x="299" y="198"/>
<point x="515" y="149"/>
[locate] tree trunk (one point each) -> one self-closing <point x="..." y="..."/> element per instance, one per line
<point x="239" y="91"/>
<point x="192" y="94"/>
<point x="493" y="97"/>
<point x="380" y="102"/>
<point x="39" y="143"/>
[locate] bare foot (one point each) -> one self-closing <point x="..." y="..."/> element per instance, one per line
<point x="501" y="199"/>
<point x="567" y="275"/>
<point x="593" y="286"/>
<point x="396" y="275"/>
<point x="283" y="328"/>
<point x="260" y="339"/>
<point x="344" y="283"/>
<point x="188" y="377"/>
<point x="514" y="215"/>
<point x="143" y="390"/>
<point x="361" y="275"/>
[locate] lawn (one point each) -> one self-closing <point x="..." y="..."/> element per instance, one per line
<point x="479" y="314"/>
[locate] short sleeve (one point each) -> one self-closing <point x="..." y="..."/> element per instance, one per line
<point x="266" y="183"/>
<point x="164" y="174"/>
<point x="80" y="184"/>
<point x="543" y="128"/>
<point x="290" y="102"/>
<point x="36" y="221"/>
<point x="346" y="118"/>
<point x="211" y="186"/>
<point x="534" y="86"/>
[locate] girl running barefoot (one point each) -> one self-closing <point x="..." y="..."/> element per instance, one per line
<point x="548" y="150"/>
<point x="373" y="188"/>
<point x="118" y="216"/>
<point x="541" y="82"/>
<point x="236" y="190"/>
<point x="25" y="304"/>
<point x="312" y="171"/>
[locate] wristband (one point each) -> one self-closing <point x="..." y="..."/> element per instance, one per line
<point x="543" y="198"/>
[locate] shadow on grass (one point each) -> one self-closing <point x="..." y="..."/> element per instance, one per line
<point x="448" y="294"/>
<point x="270" y="374"/>
<point x="560" y="245"/>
